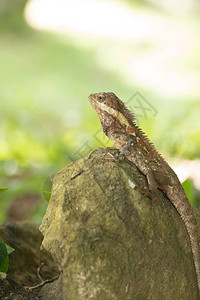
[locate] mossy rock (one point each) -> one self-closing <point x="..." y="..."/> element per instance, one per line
<point x="110" y="243"/>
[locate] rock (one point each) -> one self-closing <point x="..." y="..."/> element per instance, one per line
<point x="52" y="291"/>
<point x="10" y="290"/>
<point x="110" y="244"/>
<point x="26" y="239"/>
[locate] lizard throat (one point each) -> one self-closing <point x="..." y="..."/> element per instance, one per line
<point x="111" y="111"/>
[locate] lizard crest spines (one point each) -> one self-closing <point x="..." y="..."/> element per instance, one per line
<point x="144" y="140"/>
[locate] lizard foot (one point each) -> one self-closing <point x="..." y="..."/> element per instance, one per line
<point x="146" y="193"/>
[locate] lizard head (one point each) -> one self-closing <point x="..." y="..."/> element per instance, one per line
<point x="105" y="102"/>
<point x="108" y="105"/>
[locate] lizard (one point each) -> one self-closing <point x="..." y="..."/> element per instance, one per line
<point x="119" y="125"/>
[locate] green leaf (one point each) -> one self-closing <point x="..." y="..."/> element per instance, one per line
<point x="47" y="186"/>
<point x="189" y="189"/>
<point x="3" y="257"/>
<point x="3" y="190"/>
<point x="9" y="249"/>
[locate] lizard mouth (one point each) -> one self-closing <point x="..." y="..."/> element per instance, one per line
<point x="93" y="101"/>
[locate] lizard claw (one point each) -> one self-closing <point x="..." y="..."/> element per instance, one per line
<point x="146" y="193"/>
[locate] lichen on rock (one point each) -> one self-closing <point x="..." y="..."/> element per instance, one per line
<point x="110" y="244"/>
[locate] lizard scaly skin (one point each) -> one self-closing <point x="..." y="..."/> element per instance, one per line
<point x="118" y="124"/>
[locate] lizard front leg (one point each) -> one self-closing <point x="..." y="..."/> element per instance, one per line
<point x="126" y="149"/>
<point x="152" y="190"/>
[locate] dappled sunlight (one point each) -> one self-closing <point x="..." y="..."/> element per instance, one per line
<point x="149" y="48"/>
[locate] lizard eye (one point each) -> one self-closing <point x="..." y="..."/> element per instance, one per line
<point x="99" y="97"/>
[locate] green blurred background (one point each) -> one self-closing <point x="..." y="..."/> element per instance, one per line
<point x="53" y="54"/>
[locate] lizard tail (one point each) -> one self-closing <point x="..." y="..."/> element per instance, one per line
<point x="187" y="214"/>
<point x="191" y="226"/>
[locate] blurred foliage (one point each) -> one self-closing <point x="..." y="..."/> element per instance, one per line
<point x="11" y="14"/>
<point x="189" y="189"/>
<point x="46" y="120"/>
<point x="145" y="3"/>
<point x="3" y="190"/>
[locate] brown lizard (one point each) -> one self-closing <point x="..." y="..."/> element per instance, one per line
<point x="118" y="124"/>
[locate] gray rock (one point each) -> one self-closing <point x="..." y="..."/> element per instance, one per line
<point x="108" y="242"/>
